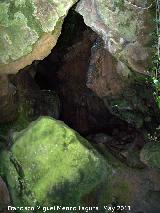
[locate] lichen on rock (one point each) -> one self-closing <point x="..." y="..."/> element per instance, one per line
<point x="29" y="30"/>
<point x="124" y="27"/>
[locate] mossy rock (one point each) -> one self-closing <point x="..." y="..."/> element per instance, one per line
<point x="50" y="164"/>
<point x="29" y="30"/>
<point x="150" y="155"/>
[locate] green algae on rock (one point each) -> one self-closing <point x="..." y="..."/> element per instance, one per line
<point x="51" y="164"/>
<point x="29" y="29"/>
<point x="150" y="155"/>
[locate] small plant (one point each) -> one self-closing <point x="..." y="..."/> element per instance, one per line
<point x="156" y="58"/>
<point x="154" y="137"/>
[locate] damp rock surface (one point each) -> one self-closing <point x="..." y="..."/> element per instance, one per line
<point x="29" y="30"/>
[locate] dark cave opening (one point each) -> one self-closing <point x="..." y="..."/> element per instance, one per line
<point x="65" y="72"/>
<point x="47" y="69"/>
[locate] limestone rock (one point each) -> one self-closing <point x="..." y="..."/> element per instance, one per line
<point x="50" y="164"/>
<point x="29" y="30"/>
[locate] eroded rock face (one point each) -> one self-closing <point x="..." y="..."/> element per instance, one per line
<point x="29" y="30"/>
<point x="124" y="27"/>
<point x="81" y="108"/>
<point x="118" y="65"/>
<point x="125" y="94"/>
<point x="105" y="75"/>
<point x="51" y="165"/>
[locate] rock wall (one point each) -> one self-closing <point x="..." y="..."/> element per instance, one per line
<point x="119" y="63"/>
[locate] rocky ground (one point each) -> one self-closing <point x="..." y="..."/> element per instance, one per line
<point x="81" y="126"/>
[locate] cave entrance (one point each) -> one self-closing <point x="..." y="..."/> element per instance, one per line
<point x="65" y="72"/>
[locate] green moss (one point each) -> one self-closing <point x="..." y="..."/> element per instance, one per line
<point x="59" y="166"/>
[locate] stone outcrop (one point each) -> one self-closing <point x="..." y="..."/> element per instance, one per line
<point x="29" y="30"/>
<point x="95" y="81"/>
<point x="125" y="94"/>
<point x="50" y="164"/>
<point x="118" y="65"/>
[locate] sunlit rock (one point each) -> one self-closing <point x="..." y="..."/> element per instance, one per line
<point x="29" y="30"/>
<point x="125" y="27"/>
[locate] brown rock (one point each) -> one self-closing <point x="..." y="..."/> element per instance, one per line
<point x="33" y="101"/>
<point x="81" y="108"/>
<point x="106" y="76"/>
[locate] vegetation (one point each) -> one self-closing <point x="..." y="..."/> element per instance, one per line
<point x="156" y="59"/>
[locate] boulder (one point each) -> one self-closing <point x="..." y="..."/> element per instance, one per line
<point x="118" y="64"/>
<point x="29" y="30"/>
<point x="50" y="164"/>
<point x="124" y="94"/>
<point x="125" y="27"/>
